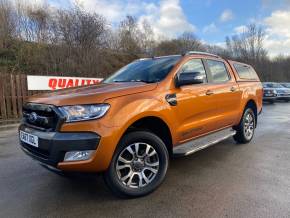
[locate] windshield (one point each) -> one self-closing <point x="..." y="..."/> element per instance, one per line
<point x="273" y="85"/>
<point x="145" y="70"/>
<point x="287" y="85"/>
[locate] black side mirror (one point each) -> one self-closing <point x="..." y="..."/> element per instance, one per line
<point x="189" y="79"/>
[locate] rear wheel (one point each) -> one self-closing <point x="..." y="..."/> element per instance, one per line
<point x="138" y="166"/>
<point x="246" y="128"/>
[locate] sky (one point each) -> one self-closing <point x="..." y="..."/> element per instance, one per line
<point x="210" y="20"/>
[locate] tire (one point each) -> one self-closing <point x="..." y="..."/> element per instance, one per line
<point x="152" y="153"/>
<point x="272" y="101"/>
<point x="246" y="128"/>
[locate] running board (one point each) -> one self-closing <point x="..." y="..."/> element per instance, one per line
<point x="195" y="145"/>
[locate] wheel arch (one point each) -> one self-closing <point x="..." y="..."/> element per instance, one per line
<point x="155" y="125"/>
<point x="252" y="104"/>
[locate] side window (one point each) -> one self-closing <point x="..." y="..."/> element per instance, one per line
<point x="218" y="70"/>
<point x="253" y="74"/>
<point x="194" y="65"/>
<point x="245" y="72"/>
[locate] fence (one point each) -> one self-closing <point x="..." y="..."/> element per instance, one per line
<point x="13" y="92"/>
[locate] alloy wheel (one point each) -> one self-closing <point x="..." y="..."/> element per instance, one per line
<point x="249" y="126"/>
<point x="137" y="165"/>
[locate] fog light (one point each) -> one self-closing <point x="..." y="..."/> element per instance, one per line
<point x="78" y="155"/>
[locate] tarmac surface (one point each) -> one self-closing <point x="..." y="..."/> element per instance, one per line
<point x="225" y="180"/>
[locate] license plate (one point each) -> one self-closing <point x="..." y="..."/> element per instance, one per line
<point x="268" y="95"/>
<point x="28" y="138"/>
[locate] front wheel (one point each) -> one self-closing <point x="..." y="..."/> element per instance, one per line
<point x="138" y="166"/>
<point x="246" y="128"/>
<point x="272" y="101"/>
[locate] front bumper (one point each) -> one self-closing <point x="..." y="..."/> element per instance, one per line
<point x="283" y="97"/>
<point x="53" y="145"/>
<point x="267" y="98"/>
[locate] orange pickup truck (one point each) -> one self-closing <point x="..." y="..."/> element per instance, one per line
<point x="130" y="125"/>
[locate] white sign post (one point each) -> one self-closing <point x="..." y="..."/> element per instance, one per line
<point x="58" y="82"/>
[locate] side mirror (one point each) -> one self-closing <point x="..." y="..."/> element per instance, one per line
<point x="189" y="79"/>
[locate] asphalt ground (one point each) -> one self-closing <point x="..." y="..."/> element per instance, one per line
<point x="225" y="180"/>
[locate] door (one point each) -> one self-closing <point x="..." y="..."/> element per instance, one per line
<point x="196" y="106"/>
<point x="226" y="92"/>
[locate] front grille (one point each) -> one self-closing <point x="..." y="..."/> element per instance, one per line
<point x="40" y="116"/>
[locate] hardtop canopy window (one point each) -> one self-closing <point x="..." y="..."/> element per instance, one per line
<point x="245" y="72"/>
<point x="149" y="70"/>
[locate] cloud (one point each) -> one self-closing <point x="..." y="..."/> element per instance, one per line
<point x="277" y="47"/>
<point x="278" y="23"/>
<point x="211" y="28"/>
<point x="227" y="15"/>
<point x="112" y="10"/>
<point x="240" y="29"/>
<point x="277" y="40"/>
<point x="167" y="19"/>
<point x="275" y="3"/>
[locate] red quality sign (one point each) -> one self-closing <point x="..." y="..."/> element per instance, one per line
<point x="56" y="83"/>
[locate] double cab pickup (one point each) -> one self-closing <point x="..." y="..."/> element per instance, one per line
<point x="129" y="126"/>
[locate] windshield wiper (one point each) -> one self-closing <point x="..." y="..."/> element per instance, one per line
<point x="133" y="80"/>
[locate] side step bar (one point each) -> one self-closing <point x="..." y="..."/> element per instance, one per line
<point x="195" y="145"/>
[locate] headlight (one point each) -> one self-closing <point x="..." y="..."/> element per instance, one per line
<point x="84" y="112"/>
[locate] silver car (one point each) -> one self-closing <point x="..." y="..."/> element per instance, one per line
<point x="270" y="93"/>
<point x="282" y="92"/>
<point x="286" y="85"/>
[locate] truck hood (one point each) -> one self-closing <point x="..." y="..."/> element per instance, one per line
<point x="91" y="94"/>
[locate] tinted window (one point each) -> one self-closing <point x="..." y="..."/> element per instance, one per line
<point x="287" y="85"/>
<point x="272" y="85"/>
<point x="218" y="70"/>
<point x="145" y="70"/>
<point x="194" y="65"/>
<point x="245" y="72"/>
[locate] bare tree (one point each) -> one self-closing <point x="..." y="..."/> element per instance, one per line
<point x="189" y="42"/>
<point x="41" y="40"/>
<point x="7" y="23"/>
<point x="248" y="45"/>
<point x="147" y="38"/>
<point x="129" y="35"/>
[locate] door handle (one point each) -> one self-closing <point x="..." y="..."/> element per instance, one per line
<point x="209" y="92"/>
<point x="233" y="89"/>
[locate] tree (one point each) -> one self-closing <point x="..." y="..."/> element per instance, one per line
<point x="248" y="47"/>
<point x="147" y="38"/>
<point x="129" y="36"/>
<point x="7" y="23"/>
<point x="189" y="42"/>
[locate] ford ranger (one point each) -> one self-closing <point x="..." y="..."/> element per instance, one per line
<point x="129" y="126"/>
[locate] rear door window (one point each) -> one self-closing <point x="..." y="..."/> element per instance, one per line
<point x="218" y="71"/>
